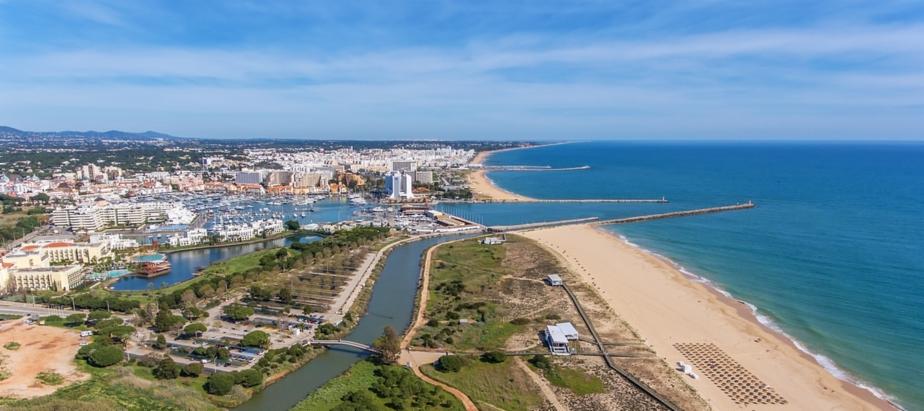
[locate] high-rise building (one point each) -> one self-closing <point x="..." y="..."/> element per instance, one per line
<point x="405" y="166"/>
<point x="399" y="185"/>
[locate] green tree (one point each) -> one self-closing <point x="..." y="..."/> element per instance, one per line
<point x="237" y="312"/>
<point x="166" y="321"/>
<point x="292" y="225"/>
<point x="388" y="345"/>
<point x="194" y="329"/>
<point x="219" y="383"/>
<point x="98" y="315"/>
<point x="106" y="355"/>
<point x="256" y="339"/>
<point x="161" y="342"/>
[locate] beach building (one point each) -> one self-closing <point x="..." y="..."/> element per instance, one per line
<point x="568" y="329"/>
<point x="554" y="280"/>
<point x="492" y="241"/>
<point x="556" y="340"/>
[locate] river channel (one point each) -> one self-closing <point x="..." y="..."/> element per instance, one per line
<point x="392" y="304"/>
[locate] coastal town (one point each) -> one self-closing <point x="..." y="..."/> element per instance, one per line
<point x="235" y="270"/>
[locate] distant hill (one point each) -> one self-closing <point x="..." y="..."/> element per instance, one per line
<point x="10" y="132"/>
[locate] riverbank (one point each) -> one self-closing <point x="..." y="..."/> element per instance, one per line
<point x="668" y="308"/>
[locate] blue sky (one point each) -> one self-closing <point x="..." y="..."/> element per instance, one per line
<point x="467" y="69"/>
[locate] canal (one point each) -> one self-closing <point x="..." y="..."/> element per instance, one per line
<point x="392" y="304"/>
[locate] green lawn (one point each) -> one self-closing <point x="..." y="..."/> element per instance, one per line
<point x="502" y="385"/>
<point x="362" y="377"/>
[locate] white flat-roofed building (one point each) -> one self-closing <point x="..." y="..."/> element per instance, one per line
<point x="554" y="280"/>
<point x="568" y="329"/>
<point x="59" y="278"/>
<point x="556" y="340"/>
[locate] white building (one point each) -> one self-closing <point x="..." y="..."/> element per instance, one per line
<point x="399" y="185"/>
<point x="556" y="340"/>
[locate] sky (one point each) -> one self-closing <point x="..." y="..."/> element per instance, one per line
<point x="470" y="69"/>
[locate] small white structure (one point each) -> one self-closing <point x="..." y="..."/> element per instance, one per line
<point x="492" y="241"/>
<point x="569" y="330"/>
<point x="554" y="280"/>
<point x="555" y="338"/>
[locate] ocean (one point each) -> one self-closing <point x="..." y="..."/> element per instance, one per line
<point x="833" y="256"/>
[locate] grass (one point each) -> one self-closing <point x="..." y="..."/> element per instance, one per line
<point x="360" y="377"/>
<point x="12" y="345"/>
<point x="575" y="380"/>
<point x="479" y="269"/>
<point x="50" y="378"/>
<point x="502" y="385"/>
<point x="120" y="388"/>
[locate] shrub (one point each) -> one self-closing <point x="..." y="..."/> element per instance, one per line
<point x="192" y="369"/>
<point x="433" y="323"/>
<point x="12" y="345"/>
<point x="451" y="363"/>
<point x="519" y="321"/>
<point x="166" y="369"/>
<point x="219" y="383"/>
<point x="541" y="362"/>
<point x="494" y="357"/>
<point x="251" y="377"/>
<point x="49" y="378"/>
<point x="74" y="320"/>
<point x="105" y="356"/>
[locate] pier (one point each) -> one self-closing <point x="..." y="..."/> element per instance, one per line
<point x="662" y="200"/>
<point x="625" y="220"/>
<point x="684" y="213"/>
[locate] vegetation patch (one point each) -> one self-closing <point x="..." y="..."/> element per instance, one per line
<point x="50" y="378"/>
<point x="368" y="386"/>
<point x="499" y="385"/>
<point x="579" y="382"/>
<point x="12" y="346"/>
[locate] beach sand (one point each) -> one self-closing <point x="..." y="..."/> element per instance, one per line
<point x="667" y="307"/>
<point x="483" y="188"/>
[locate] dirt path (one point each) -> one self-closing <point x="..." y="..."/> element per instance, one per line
<point x="547" y="390"/>
<point x="412" y="358"/>
<point x="418" y="322"/>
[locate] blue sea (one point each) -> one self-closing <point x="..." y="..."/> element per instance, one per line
<point x="833" y="256"/>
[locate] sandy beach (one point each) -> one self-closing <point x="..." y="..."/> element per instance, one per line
<point x="483" y="188"/>
<point x="670" y="311"/>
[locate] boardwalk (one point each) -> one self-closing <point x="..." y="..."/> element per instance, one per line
<point x="609" y="361"/>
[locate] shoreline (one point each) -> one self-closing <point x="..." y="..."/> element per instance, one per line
<point x="750" y="312"/>
<point x="806" y="382"/>
<point x="483" y="188"/>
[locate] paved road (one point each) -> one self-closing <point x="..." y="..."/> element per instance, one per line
<point x="9" y="307"/>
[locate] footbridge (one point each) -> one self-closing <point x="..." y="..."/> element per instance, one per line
<point x="345" y="343"/>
